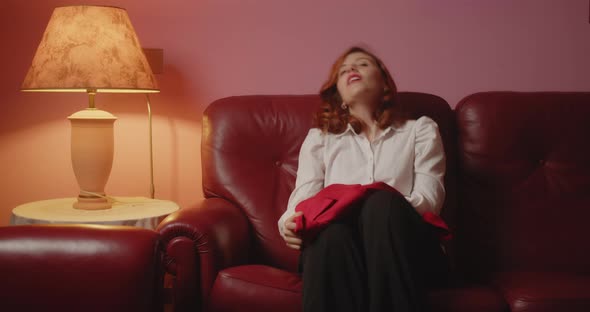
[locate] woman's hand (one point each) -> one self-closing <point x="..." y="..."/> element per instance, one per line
<point x="292" y="239"/>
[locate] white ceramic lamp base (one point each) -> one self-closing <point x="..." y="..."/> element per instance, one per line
<point x="92" y="156"/>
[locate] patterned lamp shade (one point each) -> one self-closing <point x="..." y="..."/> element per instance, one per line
<point x="90" y="49"/>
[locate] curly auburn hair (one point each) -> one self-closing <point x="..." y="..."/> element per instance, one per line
<point x="331" y="117"/>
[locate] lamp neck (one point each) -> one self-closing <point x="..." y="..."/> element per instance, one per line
<point x="91" y="94"/>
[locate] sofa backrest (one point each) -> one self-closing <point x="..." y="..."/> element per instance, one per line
<point x="250" y="149"/>
<point x="524" y="200"/>
<point x="78" y="267"/>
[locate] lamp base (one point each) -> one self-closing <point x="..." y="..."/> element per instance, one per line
<point x="92" y="203"/>
<point x="92" y="156"/>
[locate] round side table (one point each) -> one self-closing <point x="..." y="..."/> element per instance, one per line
<point x="134" y="211"/>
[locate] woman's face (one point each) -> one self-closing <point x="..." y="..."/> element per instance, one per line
<point x="360" y="78"/>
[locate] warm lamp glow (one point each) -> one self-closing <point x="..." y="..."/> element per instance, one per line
<point x="90" y="47"/>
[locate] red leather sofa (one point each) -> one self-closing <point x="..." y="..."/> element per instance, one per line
<point x="80" y="268"/>
<point x="518" y="174"/>
<point x="524" y="202"/>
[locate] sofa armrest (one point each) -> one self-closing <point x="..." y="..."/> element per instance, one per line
<point x="199" y="242"/>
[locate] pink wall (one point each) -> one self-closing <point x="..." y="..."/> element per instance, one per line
<point x="217" y="48"/>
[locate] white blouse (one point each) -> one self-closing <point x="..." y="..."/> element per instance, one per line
<point x="410" y="158"/>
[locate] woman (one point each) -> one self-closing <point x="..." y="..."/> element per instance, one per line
<point x="384" y="257"/>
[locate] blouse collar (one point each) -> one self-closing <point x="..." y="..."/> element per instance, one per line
<point x="350" y="129"/>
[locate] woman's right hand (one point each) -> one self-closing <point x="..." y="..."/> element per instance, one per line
<point x="292" y="239"/>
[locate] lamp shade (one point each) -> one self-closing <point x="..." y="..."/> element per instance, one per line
<point x="90" y="48"/>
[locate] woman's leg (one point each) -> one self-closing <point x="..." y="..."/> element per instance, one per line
<point x="402" y="254"/>
<point x="334" y="278"/>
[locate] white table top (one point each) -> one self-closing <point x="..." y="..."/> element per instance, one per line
<point x="136" y="211"/>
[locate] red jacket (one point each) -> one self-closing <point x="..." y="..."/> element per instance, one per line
<point x="337" y="200"/>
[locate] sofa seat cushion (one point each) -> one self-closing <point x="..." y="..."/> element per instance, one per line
<point x="545" y="291"/>
<point x="264" y="288"/>
<point x="256" y="288"/>
<point x="467" y="299"/>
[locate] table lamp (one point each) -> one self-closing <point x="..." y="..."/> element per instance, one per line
<point x="92" y="49"/>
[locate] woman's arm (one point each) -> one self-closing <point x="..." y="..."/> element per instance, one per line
<point x="310" y="173"/>
<point x="428" y="192"/>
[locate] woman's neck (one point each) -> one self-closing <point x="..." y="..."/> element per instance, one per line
<point x="366" y="116"/>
